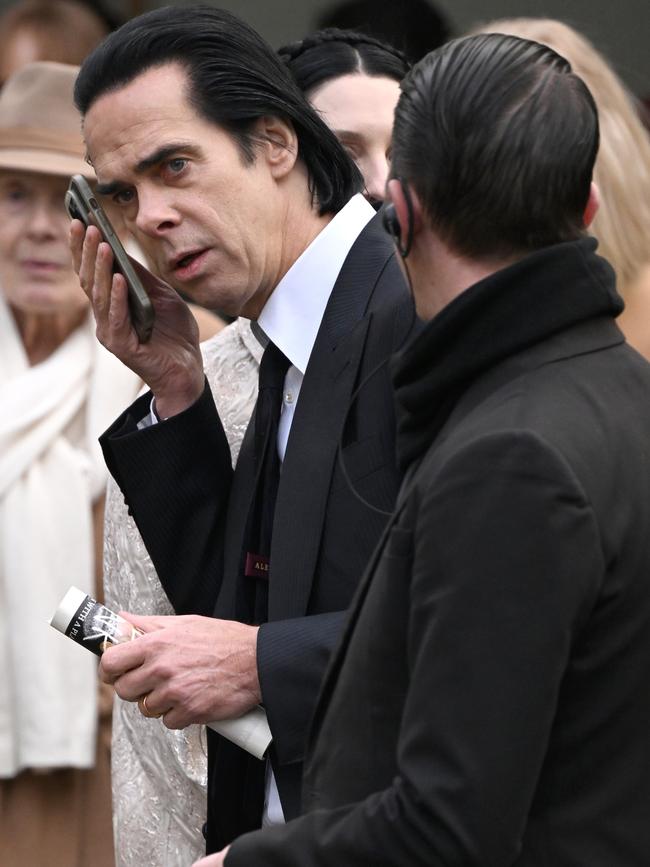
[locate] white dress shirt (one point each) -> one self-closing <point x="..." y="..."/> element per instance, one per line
<point x="293" y="313"/>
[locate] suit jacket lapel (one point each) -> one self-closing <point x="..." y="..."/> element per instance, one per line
<point x="317" y="426"/>
<point x="306" y="474"/>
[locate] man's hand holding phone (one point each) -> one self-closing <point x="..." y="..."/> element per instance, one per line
<point x="170" y="362"/>
<point x="82" y="204"/>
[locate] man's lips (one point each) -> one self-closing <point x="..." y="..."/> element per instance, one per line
<point x="188" y="264"/>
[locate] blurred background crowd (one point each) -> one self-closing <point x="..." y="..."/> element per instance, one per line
<point x="52" y="479"/>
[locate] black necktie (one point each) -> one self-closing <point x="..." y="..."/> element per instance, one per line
<point x="231" y="769"/>
<point x="257" y="553"/>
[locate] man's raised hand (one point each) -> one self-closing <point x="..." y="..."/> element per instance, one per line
<point x="170" y="362"/>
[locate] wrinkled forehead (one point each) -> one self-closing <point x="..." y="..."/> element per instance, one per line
<point x="124" y="121"/>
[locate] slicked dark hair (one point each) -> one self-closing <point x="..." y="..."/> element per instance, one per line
<point x="331" y="53"/>
<point x="234" y="78"/>
<point x="498" y="138"/>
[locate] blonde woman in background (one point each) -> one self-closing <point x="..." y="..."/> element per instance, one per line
<point x="622" y="172"/>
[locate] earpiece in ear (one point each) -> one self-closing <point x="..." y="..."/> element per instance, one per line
<point x="392" y="224"/>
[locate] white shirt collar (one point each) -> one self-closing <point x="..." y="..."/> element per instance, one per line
<point x="292" y="315"/>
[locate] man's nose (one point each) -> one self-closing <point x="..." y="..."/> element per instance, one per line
<point x="156" y="213"/>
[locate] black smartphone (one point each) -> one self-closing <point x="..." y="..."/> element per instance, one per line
<point x="81" y="204"/>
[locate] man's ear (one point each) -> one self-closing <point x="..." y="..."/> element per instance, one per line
<point x="277" y="142"/>
<point x="591" y="208"/>
<point x="408" y="212"/>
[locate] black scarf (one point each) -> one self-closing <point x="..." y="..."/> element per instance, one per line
<point x="507" y="312"/>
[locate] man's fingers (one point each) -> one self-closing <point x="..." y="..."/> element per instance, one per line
<point x="153" y="705"/>
<point x="77" y="233"/>
<point x="122" y="658"/>
<point x="194" y="668"/>
<point x="173" y="718"/>
<point x="101" y="280"/>
<point x="146" y="623"/>
<point x="107" y="292"/>
<point x="127" y="662"/>
<point x="86" y="269"/>
<point x="119" y="659"/>
<point x="119" y="319"/>
<point x="135" y="683"/>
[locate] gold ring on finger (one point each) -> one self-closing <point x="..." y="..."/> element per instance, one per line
<point x="144" y="710"/>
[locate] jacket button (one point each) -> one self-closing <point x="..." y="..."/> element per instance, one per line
<point x="204" y="830"/>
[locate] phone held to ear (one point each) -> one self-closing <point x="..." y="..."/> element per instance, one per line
<point x="81" y="204"/>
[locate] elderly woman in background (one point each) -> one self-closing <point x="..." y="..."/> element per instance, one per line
<point x="352" y="80"/>
<point x="58" y="390"/>
<point x="622" y="172"/>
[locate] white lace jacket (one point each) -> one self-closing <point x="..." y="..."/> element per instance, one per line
<point x="159" y="776"/>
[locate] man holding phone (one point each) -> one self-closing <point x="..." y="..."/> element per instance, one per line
<point x="244" y="199"/>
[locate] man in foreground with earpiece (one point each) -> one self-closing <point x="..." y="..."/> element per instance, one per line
<point x="489" y="701"/>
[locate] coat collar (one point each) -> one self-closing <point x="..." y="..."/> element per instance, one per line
<point x="510" y="311"/>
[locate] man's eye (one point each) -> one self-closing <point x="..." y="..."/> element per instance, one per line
<point x="177" y="165"/>
<point x="124" y="197"/>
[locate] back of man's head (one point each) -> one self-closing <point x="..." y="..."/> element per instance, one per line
<point x="234" y="78"/>
<point x="498" y="139"/>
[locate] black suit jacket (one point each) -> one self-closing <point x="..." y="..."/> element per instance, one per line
<point x="191" y="510"/>
<point x="488" y="705"/>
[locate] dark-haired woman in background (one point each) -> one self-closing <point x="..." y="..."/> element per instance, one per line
<point x="352" y="80"/>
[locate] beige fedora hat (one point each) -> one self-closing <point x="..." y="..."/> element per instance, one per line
<point x="40" y="127"/>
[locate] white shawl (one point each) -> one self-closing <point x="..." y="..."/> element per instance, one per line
<point x="49" y="478"/>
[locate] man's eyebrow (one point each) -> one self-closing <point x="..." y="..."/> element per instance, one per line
<point x="108" y="189"/>
<point x="162" y="154"/>
<point x="153" y="159"/>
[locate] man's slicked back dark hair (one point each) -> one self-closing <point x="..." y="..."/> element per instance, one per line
<point x="498" y="138"/>
<point x="234" y="77"/>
